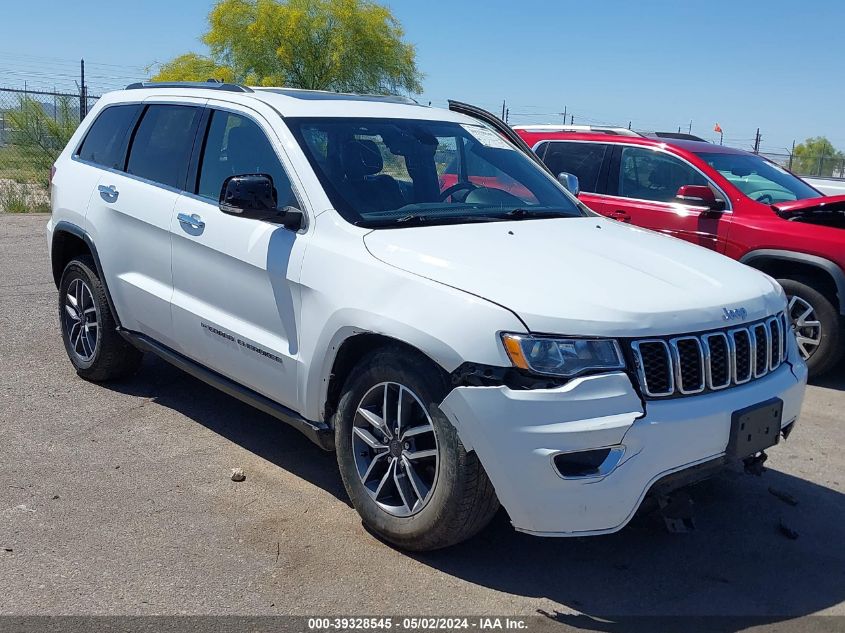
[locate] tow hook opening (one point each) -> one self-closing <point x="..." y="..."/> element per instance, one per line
<point x="596" y="462"/>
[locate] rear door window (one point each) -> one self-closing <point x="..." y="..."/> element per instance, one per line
<point x="161" y="147"/>
<point x="105" y="142"/>
<point x="583" y="160"/>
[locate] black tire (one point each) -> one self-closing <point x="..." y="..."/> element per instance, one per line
<point x="462" y="499"/>
<point x="111" y="357"/>
<point x="830" y="349"/>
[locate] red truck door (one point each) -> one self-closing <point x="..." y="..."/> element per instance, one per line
<point x="642" y="189"/>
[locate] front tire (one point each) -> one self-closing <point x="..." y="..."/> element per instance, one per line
<point x="818" y="326"/>
<point x="402" y="463"/>
<point x="89" y="331"/>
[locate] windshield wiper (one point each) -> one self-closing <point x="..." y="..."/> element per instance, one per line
<point x="411" y="219"/>
<point x="521" y="213"/>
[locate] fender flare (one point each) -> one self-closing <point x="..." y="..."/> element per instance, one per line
<point x="835" y="272"/>
<point x="67" y="227"/>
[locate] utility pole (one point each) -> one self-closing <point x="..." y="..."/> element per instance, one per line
<point x="83" y="90"/>
<point x="503" y="109"/>
<point x="757" y="142"/>
<point x="571" y="119"/>
<point x="629" y="125"/>
<point x="564" y="115"/>
<point x="507" y="114"/>
<point x="791" y="154"/>
<point x="690" y="126"/>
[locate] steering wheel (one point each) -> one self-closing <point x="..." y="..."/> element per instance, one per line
<point x="458" y="186"/>
<point x="765" y="198"/>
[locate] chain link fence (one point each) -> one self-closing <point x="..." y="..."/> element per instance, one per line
<point x="811" y="166"/>
<point x="34" y="128"/>
<point x="36" y="125"/>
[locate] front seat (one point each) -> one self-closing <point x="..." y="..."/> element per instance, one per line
<point x="663" y="181"/>
<point x="361" y="160"/>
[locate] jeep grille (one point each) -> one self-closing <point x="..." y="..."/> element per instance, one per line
<point x="693" y="364"/>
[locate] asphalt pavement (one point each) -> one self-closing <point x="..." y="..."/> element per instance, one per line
<point x="117" y="499"/>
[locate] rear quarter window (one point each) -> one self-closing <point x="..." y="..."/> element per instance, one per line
<point x="105" y="142"/>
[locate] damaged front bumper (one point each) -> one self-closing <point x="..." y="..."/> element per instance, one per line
<point x="578" y="459"/>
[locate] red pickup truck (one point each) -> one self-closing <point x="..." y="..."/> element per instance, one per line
<point x="731" y="201"/>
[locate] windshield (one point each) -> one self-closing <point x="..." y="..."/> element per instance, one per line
<point x="401" y="172"/>
<point x="758" y="178"/>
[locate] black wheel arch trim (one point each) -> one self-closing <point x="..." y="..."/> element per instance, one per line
<point x="64" y="226"/>
<point x="835" y="272"/>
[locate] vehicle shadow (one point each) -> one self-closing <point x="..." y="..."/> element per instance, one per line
<point x="236" y="421"/>
<point x="738" y="561"/>
<point x="835" y="379"/>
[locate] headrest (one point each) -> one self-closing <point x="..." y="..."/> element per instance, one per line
<point x="361" y="158"/>
<point x="662" y="174"/>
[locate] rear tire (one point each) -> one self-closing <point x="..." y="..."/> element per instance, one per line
<point x="817" y="324"/>
<point x="89" y="330"/>
<point x="426" y="503"/>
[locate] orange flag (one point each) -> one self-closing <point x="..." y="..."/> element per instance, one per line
<point x="718" y="128"/>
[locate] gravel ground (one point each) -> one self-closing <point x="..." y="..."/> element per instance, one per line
<point x="116" y="499"/>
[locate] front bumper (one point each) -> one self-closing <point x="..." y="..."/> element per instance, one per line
<point x="517" y="433"/>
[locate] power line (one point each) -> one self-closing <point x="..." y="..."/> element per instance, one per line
<point x="65" y="61"/>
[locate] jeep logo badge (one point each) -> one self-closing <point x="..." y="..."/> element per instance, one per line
<point x="732" y="314"/>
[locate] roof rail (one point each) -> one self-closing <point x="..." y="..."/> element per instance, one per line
<point x="680" y="136"/>
<point x="588" y="129"/>
<point x="329" y="95"/>
<point x="211" y="84"/>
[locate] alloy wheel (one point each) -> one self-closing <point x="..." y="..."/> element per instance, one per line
<point x="395" y="448"/>
<point x="80" y="317"/>
<point x="808" y="329"/>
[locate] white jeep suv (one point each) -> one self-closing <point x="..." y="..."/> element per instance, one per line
<point x="408" y="287"/>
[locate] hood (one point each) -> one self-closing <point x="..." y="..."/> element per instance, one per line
<point x="584" y="276"/>
<point x="811" y="204"/>
<point x="828" y="210"/>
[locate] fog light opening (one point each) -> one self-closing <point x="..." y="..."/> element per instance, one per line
<point x="596" y="462"/>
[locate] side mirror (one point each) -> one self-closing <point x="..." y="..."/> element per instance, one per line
<point x="699" y="196"/>
<point x="570" y="181"/>
<point x="254" y="196"/>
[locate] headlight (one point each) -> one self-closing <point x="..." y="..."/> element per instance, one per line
<point x="562" y="356"/>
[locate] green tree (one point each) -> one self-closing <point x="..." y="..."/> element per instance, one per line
<point x="341" y="45"/>
<point x="193" y="67"/>
<point x="39" y="137"/>
<point x="817" y="157"/>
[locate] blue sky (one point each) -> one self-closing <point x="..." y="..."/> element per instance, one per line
<point x="745" y="64"/>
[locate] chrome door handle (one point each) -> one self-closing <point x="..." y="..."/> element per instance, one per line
<point x="108" y="193"/>
<point x="194" y="221"/>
